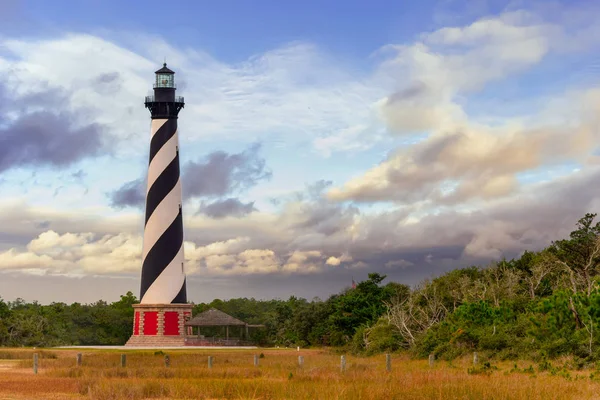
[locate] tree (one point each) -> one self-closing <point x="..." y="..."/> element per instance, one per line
<point x="417" y="313"/>
<point x="543" y="266"/>
<point x="361" y="306"/>
<point x="4" y="317"/>
<point x="580" y="255"/>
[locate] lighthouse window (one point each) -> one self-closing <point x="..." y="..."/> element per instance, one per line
<point x="164" y="80"/>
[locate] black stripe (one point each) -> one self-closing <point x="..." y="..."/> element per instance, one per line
<point x="181" y="297"/>
<point x="162" y="186"/>
<point x="162" y="253"/>
<point x="162" y="136"/>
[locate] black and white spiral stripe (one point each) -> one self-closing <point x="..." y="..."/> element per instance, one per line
<point x="163" y="276"/>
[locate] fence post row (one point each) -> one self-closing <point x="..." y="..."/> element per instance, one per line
<point x="388" y="361"/>
<point x="35" y="363"/>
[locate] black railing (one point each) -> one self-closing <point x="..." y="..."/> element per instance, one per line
<point x="164" y="109"/>
<point x="151" y="99"/>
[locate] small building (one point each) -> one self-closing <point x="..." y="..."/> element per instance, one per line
<point x="215" y="328"/>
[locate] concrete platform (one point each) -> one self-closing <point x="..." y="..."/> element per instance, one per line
<point x="158" y="348"/>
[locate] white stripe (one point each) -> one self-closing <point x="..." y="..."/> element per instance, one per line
<point x="161" y="160"/>
<point x="168" y="284"/>
<point x="156" y="124"/>
<point x="162" y="217"/>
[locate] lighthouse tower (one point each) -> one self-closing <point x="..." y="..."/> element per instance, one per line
<point x="160" y="317"/>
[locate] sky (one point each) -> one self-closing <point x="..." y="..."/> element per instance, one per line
<point x="320" y="141"/>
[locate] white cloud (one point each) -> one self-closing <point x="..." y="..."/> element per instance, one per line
<point x="15" y="260"/>
<point x="352" y="139"/>
<point x="463" y="158"/>
<point x="365" y="242"/>
<point x="335" y="261"/>
<point x="229" y="246"/>
<point x="478" y="161"/>
<point x="110" y="254"/>
<point x="433" y="74"/>
<point x="295" y="91"/>
<point x="72" y="254"/>
<point x="304" y="262"/>
<point x="51" y="241"/>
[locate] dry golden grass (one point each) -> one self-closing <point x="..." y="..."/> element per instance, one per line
<point x="278" y="377"/>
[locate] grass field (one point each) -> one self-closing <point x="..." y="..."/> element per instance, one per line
<point x="278" y="376"/>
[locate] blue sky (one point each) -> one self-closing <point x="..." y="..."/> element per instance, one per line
<point x="235" y="30"/>
<point x="407" y="138"/>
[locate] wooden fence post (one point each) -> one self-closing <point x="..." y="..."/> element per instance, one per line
<point x="79" y="359"/>
<point x="431" y="359"/>
<point x="35" y="363"/>
<point x="475" y="358"/>
<point x="388" y="362"/>
<point x="300" y="361"/>
<point x="256" y="360"/>
<point x="123" y="360"/>
<point x="343" y="364"/>
<point x="210" y="362"/>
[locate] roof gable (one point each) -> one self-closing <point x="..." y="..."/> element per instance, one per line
<point x="164" y="70"/>
<point x="214" y="317"/>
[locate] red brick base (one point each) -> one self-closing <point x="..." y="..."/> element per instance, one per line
<point x="159" y="325"/>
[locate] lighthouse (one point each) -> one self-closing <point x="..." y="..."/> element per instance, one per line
<point x="163" y="310"/>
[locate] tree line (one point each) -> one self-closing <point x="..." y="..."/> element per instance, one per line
<point x="543" y="304"/>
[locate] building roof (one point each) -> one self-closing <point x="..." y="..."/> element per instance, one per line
<point x="214" y="317"/>
<point x="164" y="70"/>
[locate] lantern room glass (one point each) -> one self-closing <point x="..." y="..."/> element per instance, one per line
<point x="165" y="81"/>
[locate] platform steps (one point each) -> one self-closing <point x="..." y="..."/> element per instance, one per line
<point x="156" y="341"/>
